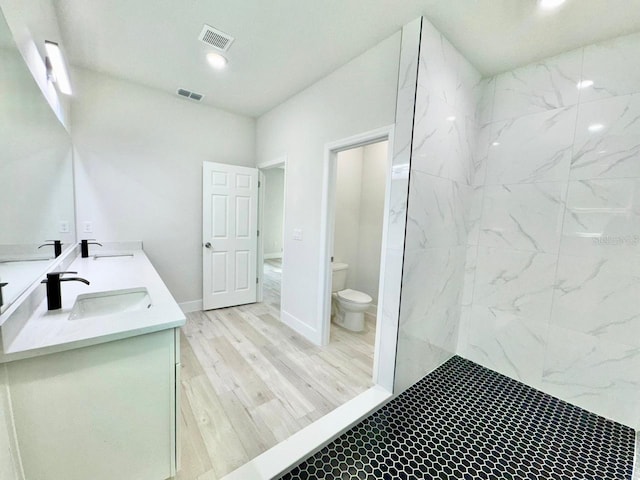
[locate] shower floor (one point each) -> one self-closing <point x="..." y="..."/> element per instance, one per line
<point x="464" y="421"/>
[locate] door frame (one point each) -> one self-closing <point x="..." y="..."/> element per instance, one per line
<point x="277" y="162"/>
<point x="327" y="222"/>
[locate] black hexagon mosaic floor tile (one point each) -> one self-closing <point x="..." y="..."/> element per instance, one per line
<point x="465" y="422"/>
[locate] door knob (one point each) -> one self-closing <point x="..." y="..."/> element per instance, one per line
<point x="208" y="244"/>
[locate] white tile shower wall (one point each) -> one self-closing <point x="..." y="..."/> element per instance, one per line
<point x="394" y="253"/>
<point x="440" y="208"/>
<point x="552" y="279"/>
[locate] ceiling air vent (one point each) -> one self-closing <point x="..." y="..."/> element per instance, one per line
<point x="191" y="95"/>
<point x="215" y="38"/>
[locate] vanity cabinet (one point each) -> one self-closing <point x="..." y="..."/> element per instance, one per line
<point x="103" y="412"/>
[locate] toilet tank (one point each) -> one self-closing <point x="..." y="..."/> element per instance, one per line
<point x="339" y="276"/>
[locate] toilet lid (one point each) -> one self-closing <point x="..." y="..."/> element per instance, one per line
<point x="354" y="296"/>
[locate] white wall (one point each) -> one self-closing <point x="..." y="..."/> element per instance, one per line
<point x="139" y="155"/>
<point x="358" y="97"/>
<point x="360" y="191"/>
<point x="347" y="217"/>
<point x="273" y="212"/>
<point x="375" y="167"/>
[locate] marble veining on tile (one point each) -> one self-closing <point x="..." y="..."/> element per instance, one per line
<point x="613" y="68"/>
<point x="607" y="143"/>
<point x="542" y="86"/>
<point x="602" y="219"/>
<point x="523" y="216"/>
<point x="436" y="216"/>
<point x="507" y="343"/>
<point x="515" y="282"/>
<point x="441" y="145"/>
<point x="432" y="283"/>
<point x="440" y="211"/>
<point x="469" y="274"/>
<point x="599" y="297"/>
<point x="601" y="376"/>
<point x="484" y="108"/>
<point x="532" y="148"/>
<point x="438" y="70"/>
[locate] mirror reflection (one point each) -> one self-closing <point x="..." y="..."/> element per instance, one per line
<point x="36" y="177"/>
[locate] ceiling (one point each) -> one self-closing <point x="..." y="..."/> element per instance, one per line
<point x="283" y="46"/>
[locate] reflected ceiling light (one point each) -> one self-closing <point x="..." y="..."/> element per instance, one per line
<point x="216" y="60"/>
<point x="585" y="84"/>
<point x="550" y="4"/>
<point x="56" y="66"/>
<point x="451" y="119"/>
<point x="595" y="127"/>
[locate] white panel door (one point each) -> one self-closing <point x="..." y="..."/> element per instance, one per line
<point x="230" y="235"/>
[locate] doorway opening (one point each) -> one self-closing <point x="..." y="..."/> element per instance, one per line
<point x="271" y="237"/>
<point x="356" y="192"/>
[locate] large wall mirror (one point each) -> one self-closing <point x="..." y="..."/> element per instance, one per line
<point x="36" y="176"/>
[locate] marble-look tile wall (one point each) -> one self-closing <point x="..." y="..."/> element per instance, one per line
<point x="552" y="280"/>
<point x="442" y="166"/>
<point x="394" y="251"/>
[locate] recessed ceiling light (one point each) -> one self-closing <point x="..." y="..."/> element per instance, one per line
<point x="585" y="84"/>
<point x="495" y="144"/>
<point x="451" y="119"/>
<point x="550" y="4"/>
<point x="595" y="127"/>
<point x="216" y="60"/>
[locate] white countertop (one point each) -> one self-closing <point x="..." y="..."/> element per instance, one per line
<point x="47" y="332"/>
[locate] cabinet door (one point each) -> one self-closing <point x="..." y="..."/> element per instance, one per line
<point x="99" y="413"/>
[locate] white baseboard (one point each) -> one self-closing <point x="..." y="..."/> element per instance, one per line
<point x="300" y="445"/>
<point x="193" y="306"/>
<point x="271" y="256"/>
<point x="302" y="328"/>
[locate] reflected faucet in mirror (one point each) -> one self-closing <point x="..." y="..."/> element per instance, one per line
<point x="57" y="246"/>
<point x="54" y="293"/>
<point x="84" y="246"/>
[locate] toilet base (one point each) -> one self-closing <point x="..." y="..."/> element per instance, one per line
<point x="353" y="321"/>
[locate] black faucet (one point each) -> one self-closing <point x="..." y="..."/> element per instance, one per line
<point x="84" y="246"/>
<point x="57" y="246"/>
<point x="54" y="295"/>
<point x="3" y="284"/>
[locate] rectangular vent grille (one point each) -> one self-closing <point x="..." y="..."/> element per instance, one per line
<point x="215" y="38"/>
<point x="190" y="95"/>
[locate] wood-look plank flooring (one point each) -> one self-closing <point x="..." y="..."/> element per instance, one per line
<point x="249" y="382"/>
<point x="271" y="282"/>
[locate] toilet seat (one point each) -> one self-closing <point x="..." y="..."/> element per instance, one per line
<point x="354" y="296"/>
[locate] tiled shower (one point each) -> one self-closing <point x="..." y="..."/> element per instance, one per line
<point x="522" y="248"/>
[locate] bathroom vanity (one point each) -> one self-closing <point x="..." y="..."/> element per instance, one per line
<point x="92" y="389"/>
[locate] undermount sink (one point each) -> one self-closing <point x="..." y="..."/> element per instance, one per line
<point x="109" y="303"/>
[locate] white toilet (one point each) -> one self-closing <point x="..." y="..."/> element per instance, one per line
<point x="347" y="306"/>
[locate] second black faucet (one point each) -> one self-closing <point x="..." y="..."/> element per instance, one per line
<point x="84" y="246"/>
